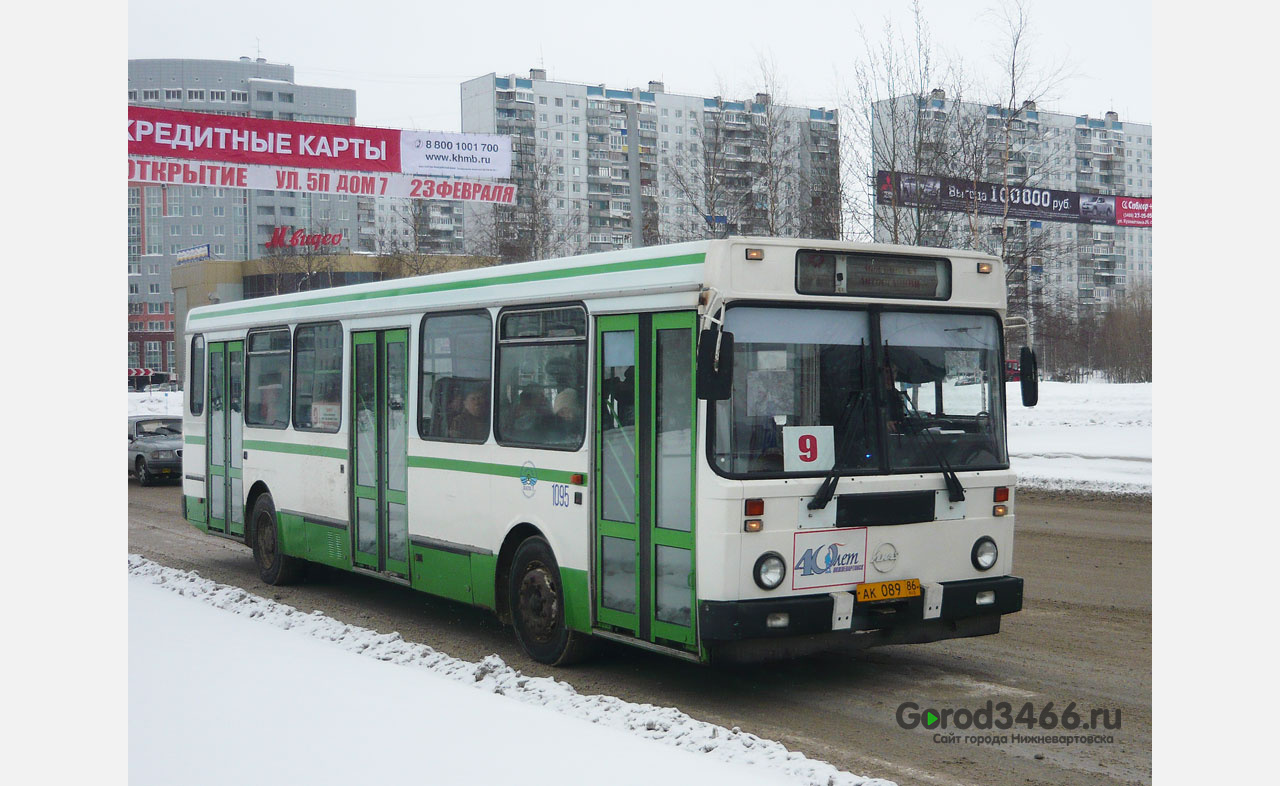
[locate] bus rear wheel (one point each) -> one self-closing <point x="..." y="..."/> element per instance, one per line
<point x="274" y="567"/>
<point x="537" y="607"/>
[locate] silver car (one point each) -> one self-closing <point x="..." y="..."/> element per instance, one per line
<point x="155" y="448"/>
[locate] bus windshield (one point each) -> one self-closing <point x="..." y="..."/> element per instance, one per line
<point x="812" y="391"/>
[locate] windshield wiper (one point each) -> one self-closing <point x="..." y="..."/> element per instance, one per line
<point x="852" y="406"/>
<point x="955" y="491"/>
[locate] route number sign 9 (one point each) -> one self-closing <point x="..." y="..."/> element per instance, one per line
<point x="808" y="448"/>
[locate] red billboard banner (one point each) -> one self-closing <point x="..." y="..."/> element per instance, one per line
<point x="316" y="181"/>
<point x="169" y="133"/>
<point x="1133" y="212"/>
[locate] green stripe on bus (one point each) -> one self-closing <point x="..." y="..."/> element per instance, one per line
<point x="299" y="450"/>
<point x="517" y="278"/>
<point x="191" y="439"/>
<point x="501" y="470"/>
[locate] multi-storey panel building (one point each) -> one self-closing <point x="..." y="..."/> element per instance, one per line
<point x="1088" y="266"/>
<point x="600" y="169"/>
<point x="235" y="224"/>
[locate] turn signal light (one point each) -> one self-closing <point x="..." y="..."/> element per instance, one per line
<point x="755" y="507"/>
<point x="755" y="253"/>
<point x="1000" y="510"/>
<point x="577" y="479"/>
<point x="984" y="267"/>
<point x="1002" y="494"/>
<point x="752" y="525"/>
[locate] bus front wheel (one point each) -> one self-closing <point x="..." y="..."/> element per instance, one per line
<point x="537" y="607"/>
<point x="274" y="567"/>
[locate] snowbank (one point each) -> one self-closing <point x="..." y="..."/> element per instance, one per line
<point x="306" y="708"/>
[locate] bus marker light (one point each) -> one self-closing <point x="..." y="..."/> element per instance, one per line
<point x="779" y="619"/>
<point x="1002" y="494"/>
<point x="752" y="525"/>
<point x="577" y="479"/>
<point x="984" y="267"/>
<point x="1000" y="510"/>
<point x="756" y="254"/>
<point x="754" y="507"/>
<point x="985" y="598"/>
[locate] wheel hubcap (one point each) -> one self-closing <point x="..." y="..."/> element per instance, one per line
<point x="539" y="606"/>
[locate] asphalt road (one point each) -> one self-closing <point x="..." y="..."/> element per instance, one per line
<point x="1083" y="636"/>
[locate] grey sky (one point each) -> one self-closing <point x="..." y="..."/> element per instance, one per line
<point x="406" y="60"/>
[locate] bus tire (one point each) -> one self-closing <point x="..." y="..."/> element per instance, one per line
<point x="537" y="607"/>
<point x="274" y="567"/>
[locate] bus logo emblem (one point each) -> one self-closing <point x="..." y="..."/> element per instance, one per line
<point x="528" y="479"/>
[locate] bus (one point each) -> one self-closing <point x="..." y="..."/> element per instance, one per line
<point x="726" y="450"/>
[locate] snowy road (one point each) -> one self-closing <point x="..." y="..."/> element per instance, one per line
<point x="1084" y="636"/>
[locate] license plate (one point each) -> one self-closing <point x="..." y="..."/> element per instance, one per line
<point x="888" y="590"/>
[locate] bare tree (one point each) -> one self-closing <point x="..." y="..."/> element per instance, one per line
<point x="898" y="119"/>
<point x="709" y="179"/>
<point x="535" y="227"/>
<point x="1124" y="337"/>
<point x="1017" y="142"/>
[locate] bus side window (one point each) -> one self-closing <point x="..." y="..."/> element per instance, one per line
<point x="456" y="362"/>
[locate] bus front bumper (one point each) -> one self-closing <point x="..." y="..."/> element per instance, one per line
<point x="738" y="630"/>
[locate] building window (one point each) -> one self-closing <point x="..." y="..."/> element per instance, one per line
<point x="173" y="95"/>
<point x="267" y="378"/>
<point x="133" y="95"/>
<point x="197" y="230"/>
<point x="285" y="98"/>
<point x="153" y="355"/>
<point x="195" y="95"/>
<point x="265" y="95"/>
<point x="150" y="95"/>
<point x="240" y="95"/>
<point x="196" y="211"/>
<point x="456" y="367"/>
<point x="317" y="378"/>
<point x="542" y="356"/>
<point x="218" y="95"/>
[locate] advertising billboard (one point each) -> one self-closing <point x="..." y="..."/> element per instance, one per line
<point x="992" y="199"/>
<point x="171" y="133"/>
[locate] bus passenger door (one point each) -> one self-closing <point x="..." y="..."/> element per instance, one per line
<point x="644" y="550"/>
<point x="379" y="434"/>
<point x="224" y="482"/>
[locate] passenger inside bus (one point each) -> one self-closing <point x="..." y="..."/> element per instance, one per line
<point x="472" y="422"/>
<point x="532" y="414"/>
<point x="568" y="416"/>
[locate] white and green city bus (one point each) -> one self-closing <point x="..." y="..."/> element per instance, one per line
<point x="728" y="449"/>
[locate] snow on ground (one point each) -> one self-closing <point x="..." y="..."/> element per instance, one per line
<point x="1091" y="436"/>
<point x="167" y="403"/>
<point x="308" y="699"/>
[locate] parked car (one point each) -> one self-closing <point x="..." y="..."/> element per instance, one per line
<point x="155" y="448"/>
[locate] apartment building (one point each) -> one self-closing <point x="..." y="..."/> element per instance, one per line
<point x="1086" y="265"/>
<point x="600" y="169"/>
<point x="167" y="222"/>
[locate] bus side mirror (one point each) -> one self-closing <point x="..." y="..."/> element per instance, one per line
<point x="715" y="384"/>
<point x="1029" y="377"/>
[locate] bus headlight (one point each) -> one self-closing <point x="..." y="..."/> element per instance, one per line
<point x="770" y="570"/>
<point x="985" y="553"/>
